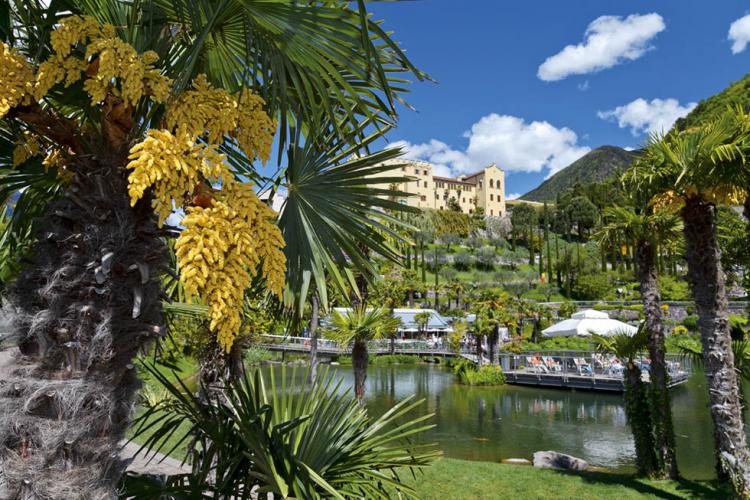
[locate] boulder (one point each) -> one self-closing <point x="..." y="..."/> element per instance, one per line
<point x="515" y="461"/>
<point x="556" y="460"/>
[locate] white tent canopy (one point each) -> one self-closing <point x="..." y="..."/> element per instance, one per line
<point x="583" y="323"/>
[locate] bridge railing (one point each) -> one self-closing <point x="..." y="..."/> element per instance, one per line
<point x="376" y="346"/>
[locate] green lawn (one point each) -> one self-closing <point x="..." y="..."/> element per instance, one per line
<point x="449" y="478"/>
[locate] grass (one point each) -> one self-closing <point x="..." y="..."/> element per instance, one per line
<point x="449" y="478"/>
<point x="185" y="369"/>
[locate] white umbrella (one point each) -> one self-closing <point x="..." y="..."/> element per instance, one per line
<point x="584" y="323"/>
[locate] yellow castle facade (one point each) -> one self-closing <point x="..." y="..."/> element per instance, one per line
<point x="484" y="189"/>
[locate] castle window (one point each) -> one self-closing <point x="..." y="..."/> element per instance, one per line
<point x="492" y="198"/>
<point x="425" y="183"/>
<point x="492" y="183"/>
<point x="492" y="212"/>
<point x="464" y="200"/>
<point x="424" y="198"/>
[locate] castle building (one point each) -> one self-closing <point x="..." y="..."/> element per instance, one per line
<point x="484" y="189"/>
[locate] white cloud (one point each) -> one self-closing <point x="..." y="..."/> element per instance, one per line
<point x="739" y="34"/>
<point x="512" y="196"/>
<point x="642" y="116"/>
<point x="609" y="40"/>
<point x="583" y="87"/>
<point x="509" y="141"/>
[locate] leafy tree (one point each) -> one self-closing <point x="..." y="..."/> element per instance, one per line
<point x="118" y="109"/>
<point x="694" y="171"/>
<point x="448" y="221"/>
<point x="450" y="239"/>
<point x="583" y="214"/>
<point x="524" y="219"/>
<point x="453" y="205"/>
<point x="357" y="326"/>
<point x="462" y="260"/>
<point x="486" y="257"/>
<point x="474" y="242"/>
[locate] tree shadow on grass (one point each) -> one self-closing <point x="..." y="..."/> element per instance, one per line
<point x="685" y="488"/>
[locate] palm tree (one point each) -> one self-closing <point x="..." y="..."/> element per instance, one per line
<point x="695" y="170"/>
<point x="356" y="327"/>
<point x="263" y="433"/>
<point x="422" y="319"/>
<point x="637" y="408"/>
<point x="324" y="67"/>
<point x="649" y="229"/>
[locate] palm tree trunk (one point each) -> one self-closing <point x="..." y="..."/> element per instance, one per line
<point x="746" y="213"/>
<point x="360" y="359"/>
<point x="88" y="302"/>
<point x="706" y="277"/>
<point x="314" y="318"/>
<point x="493" y="345"/>
<point x="480" y="351"/>
<point x="661" y="411"/>
<point x="639" y="419"/>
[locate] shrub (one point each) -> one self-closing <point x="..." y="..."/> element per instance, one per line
<point x="673" y="289"/>
<point x="256" y="355"/>
<point x="691" y="322"/>
<point x="258" y="433"/>
<point x="486" y="257"/>
<point x="591" y="287"/>
<point x="486" y="375"/>
<point x="462" y="260"/>
<point x="395" y="359"/>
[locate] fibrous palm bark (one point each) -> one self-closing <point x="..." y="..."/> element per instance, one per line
<point x="707" y="279"/>
<point x="661" y="411"/>
<point x="639" y="419"/>
<point x="360" y="360"/>
<point x="89" y="300"/>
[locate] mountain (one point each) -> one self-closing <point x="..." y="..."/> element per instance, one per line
<point x="595" y="166"/>
<point x="737" y="93"/>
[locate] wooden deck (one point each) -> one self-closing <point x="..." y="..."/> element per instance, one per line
<point x="578" y="382"/>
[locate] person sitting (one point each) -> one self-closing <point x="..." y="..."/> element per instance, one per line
<point x="616" y="368"/>
<point x="552" y="364"/>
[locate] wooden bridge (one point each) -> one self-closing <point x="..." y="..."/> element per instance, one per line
<point x="580" y="370"/>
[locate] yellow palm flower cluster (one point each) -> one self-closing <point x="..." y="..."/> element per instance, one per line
<point x="173" y="166"/>
<point x="118" y="60"/>
<point x="215" y="113"/>
<point x="673" y="200"/>
<point x="29" y="146"/>
<point x="111" y="60"/>
<point x="266" y="237"/>
<point x="16" y="78"/>
<point x="203" y="109"/>
<point x="75" y="30"/>
<point x="219" y="251"/>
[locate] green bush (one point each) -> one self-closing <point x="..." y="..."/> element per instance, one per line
<point x="592" y="286"/>
<point x="691" y="322"/>
<point x="486" y="375"/>
<point x="673" y="289"/>
<point x="395" y="359"/>
<point x="256" y="355"/>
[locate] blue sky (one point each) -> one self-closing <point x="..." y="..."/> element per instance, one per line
<point x="607" y="80"/>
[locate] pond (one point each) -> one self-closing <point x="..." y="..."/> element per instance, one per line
<point x="491" y="424"/>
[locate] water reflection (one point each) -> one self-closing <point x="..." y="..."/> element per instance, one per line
<point x="513" y="422"/>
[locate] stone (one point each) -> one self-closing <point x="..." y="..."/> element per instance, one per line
<point x="557" y="460"/>
<point x="515" y="461"/>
